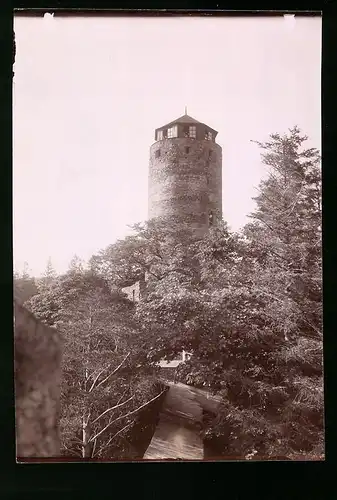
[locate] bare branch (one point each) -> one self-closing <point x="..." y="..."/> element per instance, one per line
<point x="113" y="437"/>
<point x="112" y="408"/>
<point x="93" y="374"/>
<point x="72" y="450"/>
<point x="262" y="220"/>
<point x="122" y="396"/>
<point x="124" y="416"/>
<point x="319" y="332"/>
<point x="93" y="449"/>
<point x="79" y="441"/>
<point x="112" y="373"/>
<point x="96" y="378"/>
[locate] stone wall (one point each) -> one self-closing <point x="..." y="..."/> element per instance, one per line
<point x="133" y="291"/>
<point x="38" y="350"/>
<point x="137" y="290"/>
<point x="177" y="433"/>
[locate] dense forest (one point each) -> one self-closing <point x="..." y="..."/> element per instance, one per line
<point x="246" y="304"/>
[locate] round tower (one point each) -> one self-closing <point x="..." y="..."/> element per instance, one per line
<point x="185" y="174"/>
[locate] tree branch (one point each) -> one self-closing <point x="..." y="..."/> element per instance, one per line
<point x="113" y="437"/>
<point x="124" y="416"/>
<point x="76" y="452"/>
<point x="264" y="222"/>
<point x="112" y="408"/>
<point x="299" y="309"/>
<point x="96" y="378"/>
<point x="86" y="420"/>
<point x="122" y="396"/>
<point x="93" y="449"/>
<point x="112" y="373"/>
<point x="312" y="326"/>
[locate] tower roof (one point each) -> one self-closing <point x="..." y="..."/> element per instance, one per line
<point x="185" y="119"/>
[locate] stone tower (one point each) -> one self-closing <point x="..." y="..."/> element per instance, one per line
<point x="185" y="179"/>
<point x="185" y="174"/>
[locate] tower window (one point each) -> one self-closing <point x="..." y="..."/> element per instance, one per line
<point x="211" y="219"/>
<point x="159" y="135"/>
<point x="133" y="295"/>
<point x="187" y="149"/>
<point x="157" y="153"/>
<point x="210" y="154"/>
<point x="172" y="132"/>
<point x="193" y="131"/>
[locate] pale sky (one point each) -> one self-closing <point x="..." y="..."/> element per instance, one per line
<point x="89" y="93"/>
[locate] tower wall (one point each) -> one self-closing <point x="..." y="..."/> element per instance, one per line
<point x="185" y="185"/>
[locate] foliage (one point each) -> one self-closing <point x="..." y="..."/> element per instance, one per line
<point x="147" y="251"/>
<point x="48" y="278"/>
<point x="273" y="400"/>
<point x="248" y="305"/>
<point x="105" y="382"/>
<point x="24" y="283"/>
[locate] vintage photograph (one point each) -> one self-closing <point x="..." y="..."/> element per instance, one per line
<point x="167" y="238"/>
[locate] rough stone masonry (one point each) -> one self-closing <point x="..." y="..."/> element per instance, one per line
<point x="38" y="350"/>
<point x="185" y="174"/>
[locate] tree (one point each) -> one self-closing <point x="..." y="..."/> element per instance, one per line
<point x="147" y="252"/>
<point x="249" y="308"/>
<point x="49" y="276"/>
<point x="24" y="283"/>
<point x="274" y="387"/>
<point x="287" y="231"/>
<point x="104" y="383"/>
<point x="50" y="272"/>
<point x="163" y="254"/>
<point x="288" y="222"/>
<point x="76" y="265"/>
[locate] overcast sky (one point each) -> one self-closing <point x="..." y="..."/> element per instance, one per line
<point x="89" y="93"/>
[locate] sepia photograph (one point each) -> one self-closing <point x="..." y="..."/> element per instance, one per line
<point x="167" y="238"/>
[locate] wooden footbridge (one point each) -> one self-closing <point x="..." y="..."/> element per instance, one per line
<point x="177" y="435"/>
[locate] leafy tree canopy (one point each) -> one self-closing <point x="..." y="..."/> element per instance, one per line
<point x="248" y="306"/>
